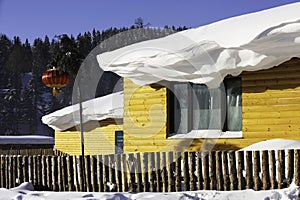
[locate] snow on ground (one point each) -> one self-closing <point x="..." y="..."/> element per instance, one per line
<point x="26" y="191"/>
<point x="109" y="106"/>
<point x="207" y="54"/>
<point x="274" y="144"/>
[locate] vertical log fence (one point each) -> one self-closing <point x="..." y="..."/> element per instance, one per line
<point x="154" y="171"/>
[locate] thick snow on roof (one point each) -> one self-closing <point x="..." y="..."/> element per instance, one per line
<point x="26" y="139"/>
<point x="207" y="54"/>
<point x="274" y="144"/>
<point x="109" y="106"/>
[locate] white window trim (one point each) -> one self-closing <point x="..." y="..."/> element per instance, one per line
<point x="205" y="134"/>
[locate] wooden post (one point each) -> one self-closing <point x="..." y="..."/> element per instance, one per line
<point x="139" y="173"/>
<point x="94" y="174"/>
<point x="164" y="172"/>
<point x="233" y="172"/>
<point x="119" y="173"/>
<point x="178" y="172"/>
<point x="206" y="170"/>
<point x="112" y="173"/>
<point x="158" y="172"/>
<point x="220" y="179"/>
<point x="249" y="170"/>
<point x="186" y="175"/>
<point x="281" y="169"/>
<point x="20" y="170"/>
<point x="226" y="171"/>
<point x="125" y="172"/>
<point x="241" y="167"/>
<point x="26" y="168"/>
<point x="79" y="161"/>
<point x="75" y="174"/>
<point x="199" y="171"/>
<point x="152" y="172"/>
<point x="145" y="172"/>
<point x="274" y="183"/>
<point x="265" y="170"/>
<point x="212" y="163"/>
<point x="256" y="162"/>
<point x="3" y="172"/>
<point x="55" y="173"/>
<point x="15" y="170"/>
<point x="171" y="177"/>
<point x="100" y="173"/>
<point x="131" y="168"/>
<point x="297" y="168"/>
<point x="192" y="170"/>
<point x="106" y="173"/>
<point x="290" y="164"/>
<point x="87" y="173"/>
<point x="49" y="172"/>
<point x="70" y="173"/>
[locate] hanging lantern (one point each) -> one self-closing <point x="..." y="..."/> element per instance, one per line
<point x="55" y="79"/>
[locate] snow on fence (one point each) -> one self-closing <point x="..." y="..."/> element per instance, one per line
<point x="154" y="171"/>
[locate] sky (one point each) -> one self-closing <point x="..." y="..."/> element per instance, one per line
<point x="35" y="18"/>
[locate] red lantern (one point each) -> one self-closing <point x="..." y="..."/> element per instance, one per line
<point x="55" y="79"/>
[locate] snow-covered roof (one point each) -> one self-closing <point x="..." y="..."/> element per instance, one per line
<point x="207" y="54"/>
<point x="274" y="144"/>
<point x="109" y="106"/>
<point x="26" y="139"/>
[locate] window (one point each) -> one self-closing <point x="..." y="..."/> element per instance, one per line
<point x="196" y="108"/>
<point x="119" y="142"/>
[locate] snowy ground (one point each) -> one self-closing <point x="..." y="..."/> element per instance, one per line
<point x="26" y="191"/>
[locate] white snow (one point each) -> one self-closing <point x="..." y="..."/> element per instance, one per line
<point x="26" y="139"/>
<point x="25" y="191"/>
<point x="274" y="144"/>
<point x="207" y="54"/>
<point x="109" y="106"/>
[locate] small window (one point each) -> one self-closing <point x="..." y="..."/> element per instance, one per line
<point x="195" y="107"/>
<point x="119" y="142"/>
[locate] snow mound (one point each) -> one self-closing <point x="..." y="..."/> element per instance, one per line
<point x="109" y="106"/>
<point x="207" y="54"/>
<point x="274" y="144"/>
<point x="21" y="193"/>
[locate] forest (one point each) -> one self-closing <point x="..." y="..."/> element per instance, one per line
<point x="24" y="99"/>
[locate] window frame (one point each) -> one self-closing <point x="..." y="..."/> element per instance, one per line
<point x="206" y="133"/>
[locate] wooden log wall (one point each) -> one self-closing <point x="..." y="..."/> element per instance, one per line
<point x="154" y="171"/>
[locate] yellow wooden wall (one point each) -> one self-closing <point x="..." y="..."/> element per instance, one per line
<point x="271" y="109"/>
<point x="99" y="138"/>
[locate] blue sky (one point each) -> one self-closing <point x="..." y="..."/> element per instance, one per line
<point x="35" y="18"/>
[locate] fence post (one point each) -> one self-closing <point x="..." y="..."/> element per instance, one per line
<point x="145" y="172"/>
<point x="290" y="174"/>
<point x="125" y="172"/>
<point x="178" y="172"/>
<point x="274" y="183"/>
<point x="139" y="173"/>
<point x="152" y="172"/>
<point x="2" y="172"/>
<point x="256" y="163"/>
<point x="199" y="171"/>
<point x="192" y="170"/>
<point x="205" y="160"/>
<point x="119" y="173"/>
<point x="100" y="173"/>
<point x="106" y="173"/>
<point x="249" y="170"/>
<point x="297" y="169"/>
<point x="158" y="172"/>
<point x="112" y="173"/>
<point x="226" y="171"/>
<point x="186" y="175"/>
<point x="131" y="168"/>
<point x="233" y="172"/>
<point x="171" y="178"/>
<point x="220" y="180"/>
<point x="265" y="170"/>
<point x="281" y="169"/>
<point x="164" y="172"/>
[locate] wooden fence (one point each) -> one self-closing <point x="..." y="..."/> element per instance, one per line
<point x="155" y="171"/>
<point x="31" y="151"/>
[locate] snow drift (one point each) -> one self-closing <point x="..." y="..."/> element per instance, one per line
<point x="207" y="54"/>
<point x="109" y="106"/>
